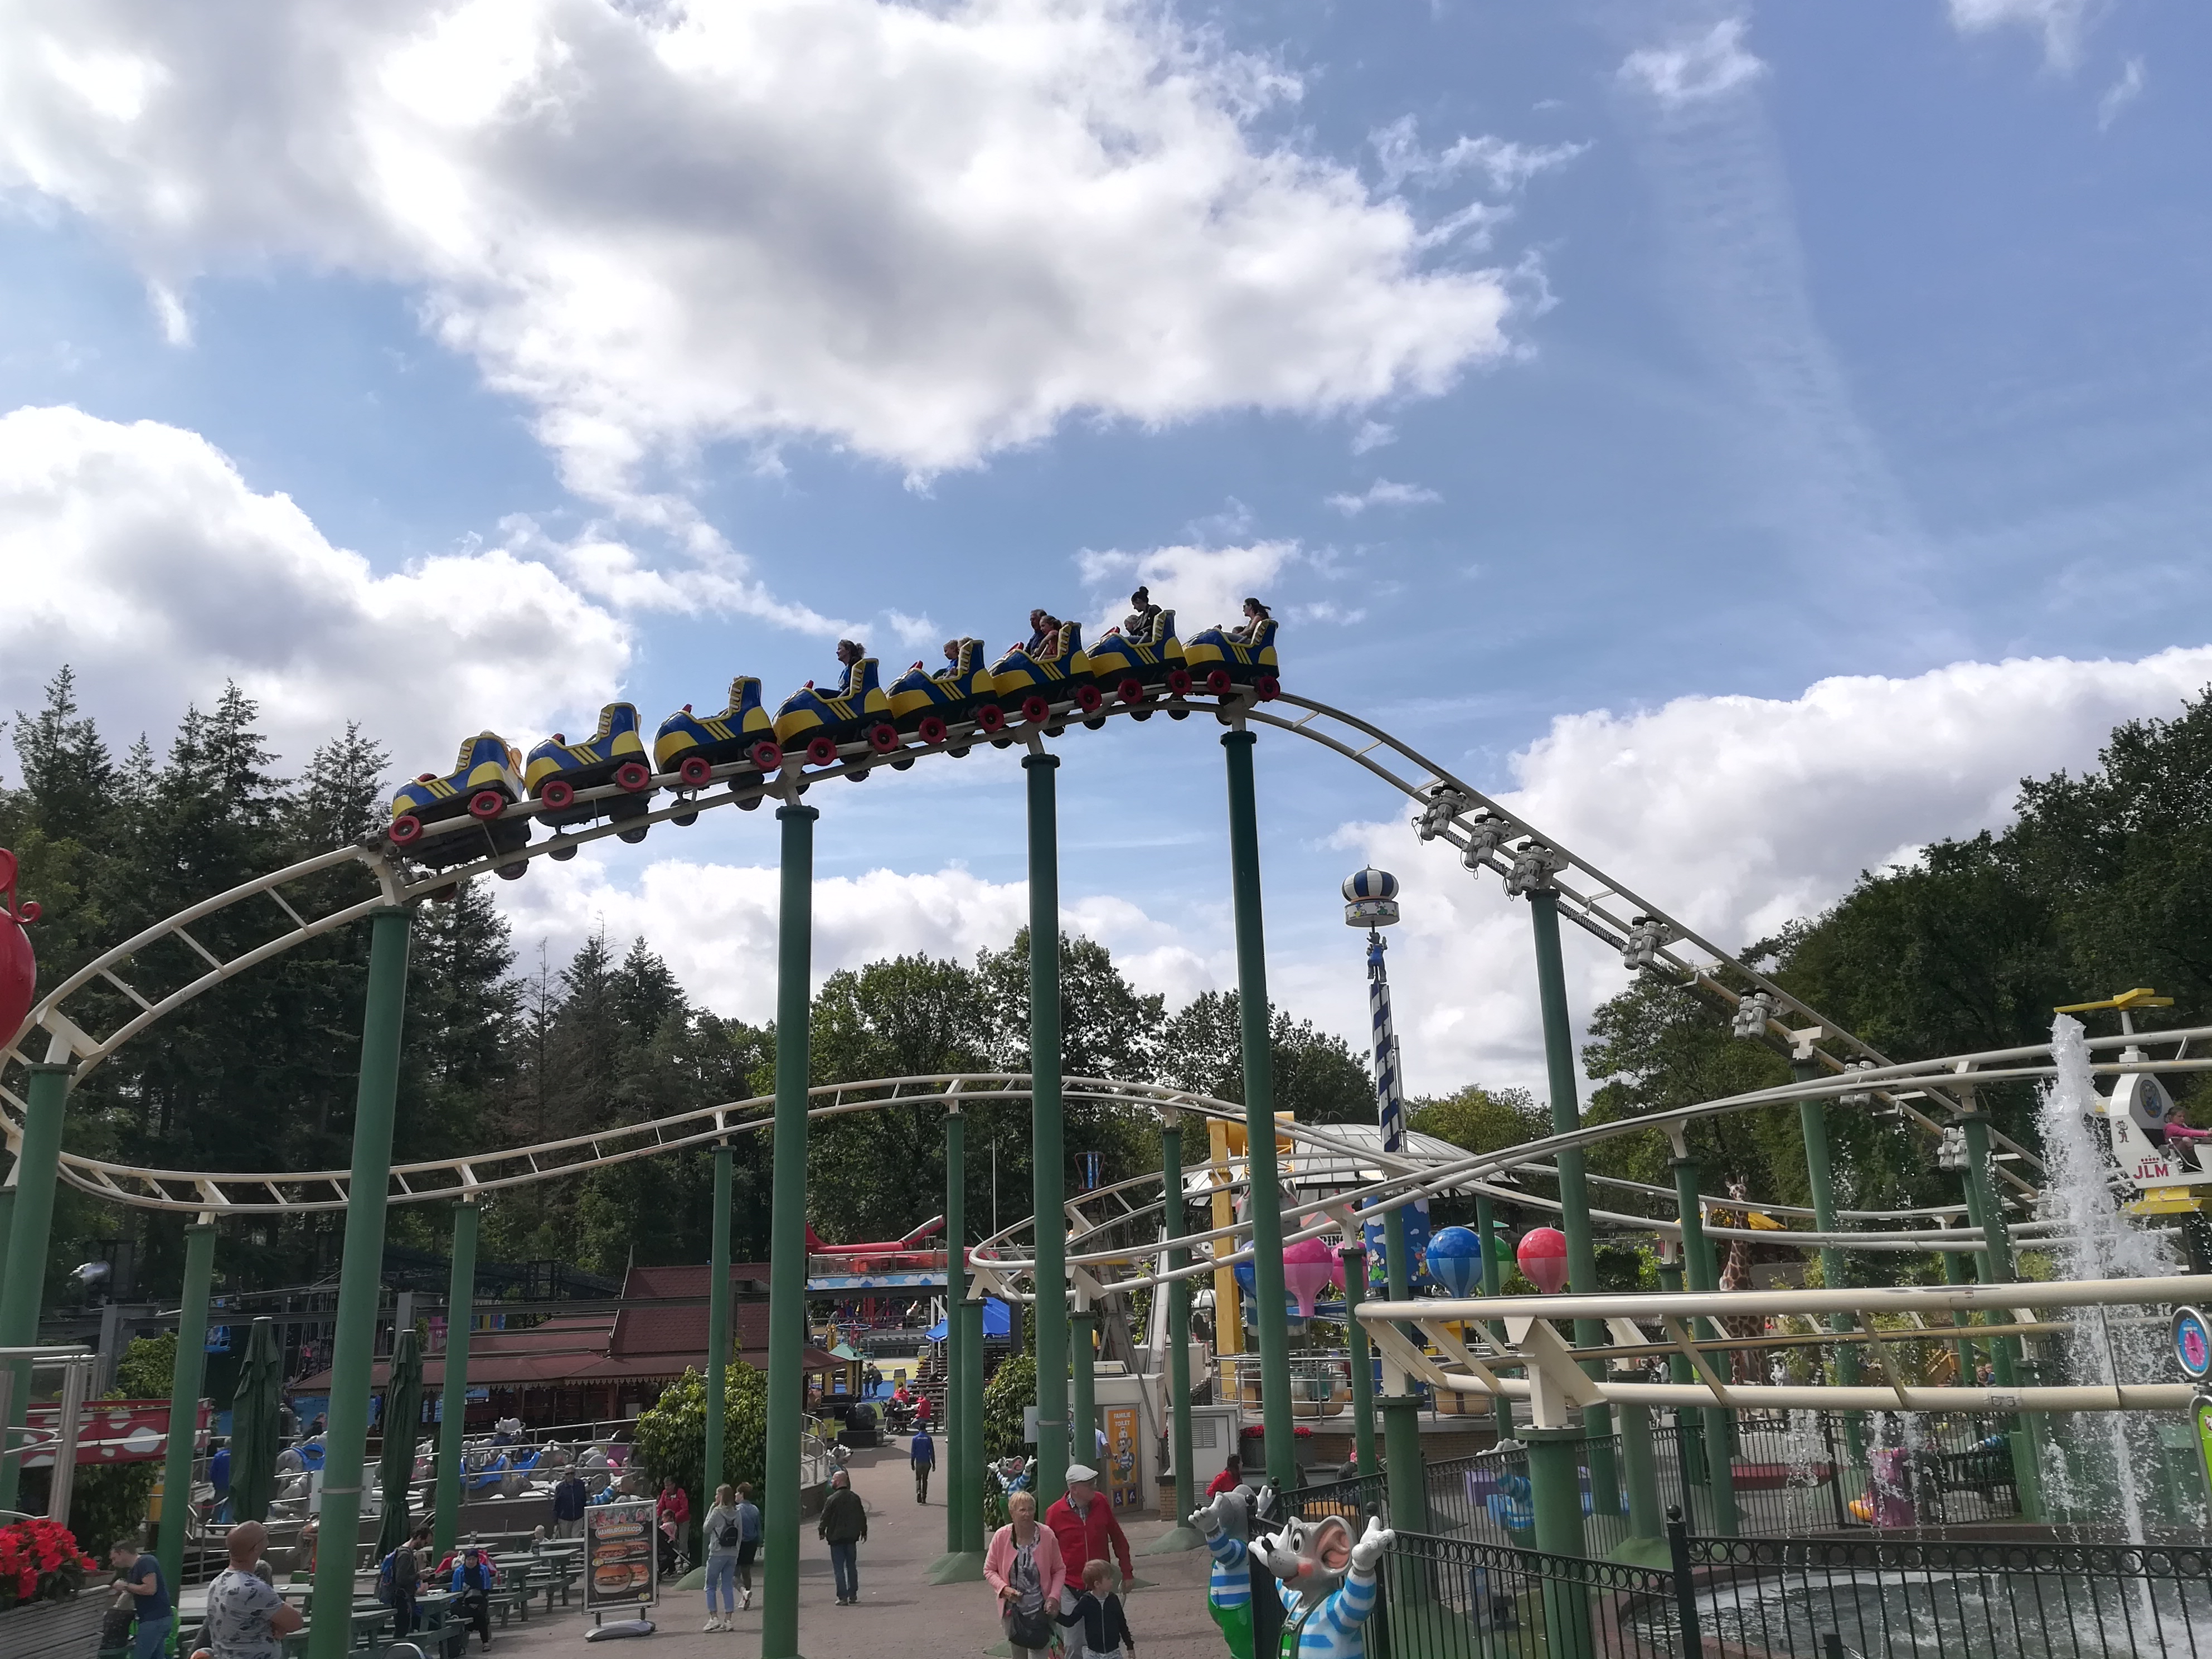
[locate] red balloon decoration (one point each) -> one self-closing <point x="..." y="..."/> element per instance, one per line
<point x="1543" y="1257"/>
<point x="19" y="968"/>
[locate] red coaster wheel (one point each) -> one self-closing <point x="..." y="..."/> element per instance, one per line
<point x="883" y="739"/>
<point x="487" y="804"/>
<point x="1036" y="710"/>
<point x="1179" y="682"/>
<point x="930" y="729"/>
<point x="1268" y="687"/>
<point x="1087" y="698"/>
<point x="1130" y="690"/>
<point x="766" y="757"/>
<point x="822" y="751"/>
<point x="633" y="775"/>
<point x="695" y="769"/>
<point x="558" y="795"/>
<point x="1218" y="682"/>
<point x="991" y="718"/>
<point x="406" y="829"/>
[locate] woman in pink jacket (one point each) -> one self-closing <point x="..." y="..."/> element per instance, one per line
<point x="1023" y="1565"/>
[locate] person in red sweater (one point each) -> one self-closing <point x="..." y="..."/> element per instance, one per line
<point x="1229" y="1478"/>
<point x="1083" y="1523"/>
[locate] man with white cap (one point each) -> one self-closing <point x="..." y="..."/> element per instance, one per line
<point x="1084" y="1524"/>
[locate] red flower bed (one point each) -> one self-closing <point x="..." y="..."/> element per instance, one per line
<point x="40" y="1560"/>
<point x="1254" y="1431"/>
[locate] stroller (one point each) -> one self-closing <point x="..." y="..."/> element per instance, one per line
<point x="675" y="1562"/>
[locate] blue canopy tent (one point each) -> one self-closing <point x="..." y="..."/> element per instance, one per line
<point x="998" y="1320"/>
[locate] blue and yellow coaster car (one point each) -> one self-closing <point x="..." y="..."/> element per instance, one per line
<point x="692" y="746"/>
<point x="927" y="704"/>
<point x="486" y="779"/>
<point x="823" y="719"/>
<point x="1219" y="664"/>
<point x="1129" y="666"/>
<point x="1033" y="683"/>
<point x="614" y="754"/>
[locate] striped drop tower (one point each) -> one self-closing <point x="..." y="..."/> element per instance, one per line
<point x="1371" y="901"/>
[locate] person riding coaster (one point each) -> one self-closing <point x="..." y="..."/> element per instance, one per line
<point x="1140" y="654"/>
<point x="928" y="704"/>
<point x="824" y="720"/>
<point x="1221" y="659"/>
<point x="693" y="745"/>
<point x="1051" y="665"/>
<point x="486" y="779"/>
<point x="557" y="769"/>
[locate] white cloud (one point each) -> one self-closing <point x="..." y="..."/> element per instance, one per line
<point x="137" y="555"/>
<point x="2060" y="22"/>
<point x="1382" y="493"/>
<point x="610" y="570"/>
<point x="1203" y="586"/>
<point x="1372" y="434"/>
<point x="1737" y="814"/>
<point x="1506" y="165"/>
<point x="1692" y="71"/>
<point x="2122" y="93"/>
<point x="923" y="232"/>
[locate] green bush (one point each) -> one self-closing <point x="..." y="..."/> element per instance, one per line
<point x="148" y="1369"/>
<point x="1012" y="1387"/>
<point x="671" y="1439"/>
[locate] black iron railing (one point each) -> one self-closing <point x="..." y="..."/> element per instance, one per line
<point x="1456" y="1598"/>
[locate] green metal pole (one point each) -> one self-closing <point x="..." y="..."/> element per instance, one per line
<point x="1688" y="1425"/>
<point x="970" y="1545"/>
<point x="1270" y="1321"/>
<point x="1486" y="1224"/>
<point x="960" y="1457"/>
<point x="1182" y="1535"/>
<point x="1405" y="1477"/>
<point x="453" y="1410"/>
<point x="1998" y="1269"/>
<point x="1363" y="1360"/>
<point x="1958" y="1271"/>
<point x="1048" y="1149"/>
<point x="1574" y="1191"/>
<point x="1083" y="1392"/>
<point x="717" y="1337"/>
<point x="1556" y="1493"/>
<point x="184" y="1403"/>
<point x="29" y="1234"/>
<point x="360" y="1275"/>
<point x="7" y="1221"/>
<point x="787" y="1309"/>
<point x="1697" y="1262"/>
<point x="1813" y="1122"/>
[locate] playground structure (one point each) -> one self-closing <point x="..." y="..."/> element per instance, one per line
<point x="1133" y="1237"/>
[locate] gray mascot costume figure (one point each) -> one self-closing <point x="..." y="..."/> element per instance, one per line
<point x="1324" y="1580"/>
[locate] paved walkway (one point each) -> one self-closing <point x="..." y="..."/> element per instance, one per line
<point x="899" y="1613"/>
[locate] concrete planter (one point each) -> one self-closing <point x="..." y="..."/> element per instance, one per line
<point x="52" y="1629"/>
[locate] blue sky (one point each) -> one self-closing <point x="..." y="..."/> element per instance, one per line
<point x="1757" y="434"/>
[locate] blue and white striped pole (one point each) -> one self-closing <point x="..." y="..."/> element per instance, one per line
<point x="1371" y="901"/>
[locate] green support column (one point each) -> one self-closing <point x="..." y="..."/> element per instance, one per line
<point x="1574" y="1191"/>
<point x="7" y="1220"/>
<point x="1556" y="1493"/>
<point x="1405" y="1475"/>
<point x="1182" y="1535"/>
<point x="29" y="1234"/>
<point x="1688" y="1425"/>
<point x="1083" y="1387"/>
<point x="1485" y="1223"/>
<point x="1958" y="1271"/>
<point x="971" y="1544"/>
<point x="1270" y="1323"/>
<point x="959" y="1454"/>
<point x="454" y="1411"/>
<point x="1813" y="1122"/>
<point x="1048" y="1149"/>
<point x="787" y="1309"/>
<point x="718" y="1339"/>
<point x="1363" y="1359"/>
<point x="184" y="1402"/>
<point x="1998" y="1269"/>
<point x="1698" y="1263"/>
<point x="360" y="1274"/>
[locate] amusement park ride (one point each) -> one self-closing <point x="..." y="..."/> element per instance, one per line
<point x="497" y="810"/>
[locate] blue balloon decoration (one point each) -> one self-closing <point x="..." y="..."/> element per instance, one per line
<point x="1455" y="1260"/>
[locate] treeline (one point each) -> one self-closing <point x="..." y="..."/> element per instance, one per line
<point x="260" y="1072"/>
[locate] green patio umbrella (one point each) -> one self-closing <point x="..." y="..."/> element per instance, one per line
<point x="253" y="1411"/>
<point x="402" y="1416"/>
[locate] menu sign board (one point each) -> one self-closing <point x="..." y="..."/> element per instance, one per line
<point x="620" y="1561"/>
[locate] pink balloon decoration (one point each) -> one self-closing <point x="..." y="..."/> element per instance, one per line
<point x="1310" y="1267"/>
<point x="1543" y="1257"/>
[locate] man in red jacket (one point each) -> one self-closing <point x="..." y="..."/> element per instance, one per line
<point x="1083" y="1525"/>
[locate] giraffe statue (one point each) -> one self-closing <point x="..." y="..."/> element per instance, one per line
<point x="1745" y="1364"/>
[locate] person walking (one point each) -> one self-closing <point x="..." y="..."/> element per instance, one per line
<point x="150" y="1591"/>
<point x="1084" y="1522"/>
<point x="722" y="1532"/>
<point x="1096" y="1625"/>
<point x="843" y="1524"/>
<point x="1023" y="1565"/>
<point x="246" y="1619"/>
<point x="749" y="1543"/>
<point x="407" y="1581"/>
<point x="674" y="1512"/>
<point x="570" y="1495"/>
<point x="921" y="1453"/>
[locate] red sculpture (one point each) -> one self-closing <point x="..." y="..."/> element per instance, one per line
<point x="19" y="968"/>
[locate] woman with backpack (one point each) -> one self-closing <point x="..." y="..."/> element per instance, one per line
<point x="725" y="1533"/>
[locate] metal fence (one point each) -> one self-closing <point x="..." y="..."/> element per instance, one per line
<point x="1454" y="1598"/>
